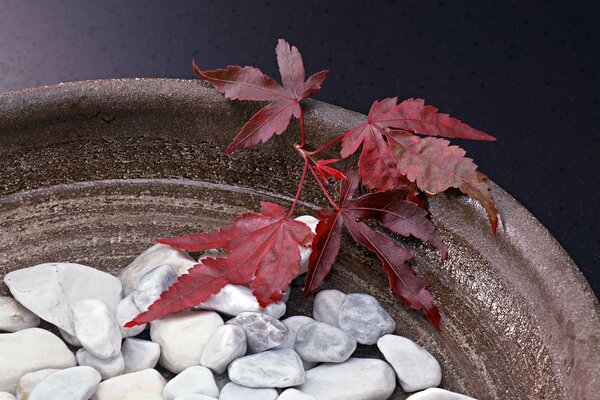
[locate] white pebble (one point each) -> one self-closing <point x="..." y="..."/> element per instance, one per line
<point x="153" y="284"/>
<point x="96" y="328"/>
<point x="139" y="354"/>
<point x="438" y="394"/>
<point x="31" y="380"/>
<point x="327" y="306"/>
<point x="195" y="397"/>
<point x="77" y="383"/>
<point x="227" y="343"/>
<point x="235" y="299"/>
<point x="295" y="394"/>
<point x="362" y="317"/>
<point x="192" y="380"/>
<point x="127" y="311"/>
<point x="231" y="391"/>
<point x="183" y="336"/>
<point x="321" y="342"/>
<point x="273" y="368"/>
<point x="305" y="251"/>
<point x="6" y="396"/>
<point x="147" y="384"/>
<point x="262" y="331"/>
<point x="415" y="367"/>
<point x="71" y="339"/>
<point x="292" y="324"/>
<point x="108" y="368"/>
<point x="14" y="317"/>
<point x="30" y="350"/>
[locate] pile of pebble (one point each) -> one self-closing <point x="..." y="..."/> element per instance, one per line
<point x="227" y="348"/>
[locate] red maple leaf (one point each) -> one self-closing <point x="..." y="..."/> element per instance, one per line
<point x="323" y="169"/>
<point x="398" y="215"/>
<point x="261" y="250"/>
<point x="391" y="155"/>
<point x="249" y="83"/>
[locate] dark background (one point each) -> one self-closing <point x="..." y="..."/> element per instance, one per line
<point x="524" y="71"/>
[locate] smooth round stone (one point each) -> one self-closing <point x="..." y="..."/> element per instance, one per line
<point x="236" y="299"/>
<point x="96" y="328"/>
<point x="438" y="394"/>
<point x="147" y="384"/>
<point x="14" y="317"/>
<point x="292" y="324"/>
<point x="327" y="306"/>
<point x="30" y="381"/>
<point x="273" y="368"/>
<point x="355" y="379"/>
<point x="195" y="397"/>
<point x="263" y="332"/>
<point x="294" y="394"/>
<point x="156" y="255"/>
<point x="305" y="251"/>
<point x="127" y="311"/>
<point x="50" y="290"/>
<point x="139" y="354"/>
<point x="77" y="383"/>
<point x="320" y="342"/>
<point x="30" y="350"/>
<point x="71" y="339"/>
<point x="153" y="284"/>
<point x="192" y="380"/>
<point x="6" y="396"/>
<point x="231" y="391"/>
<point x="415" y="367"/>
<point x="108" y="368"/>
<point x="362" y="317"/>
<point x="183" y="336"/>
<point x="226" y="344"/>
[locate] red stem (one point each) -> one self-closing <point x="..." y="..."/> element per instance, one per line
<point x="328" y="145"/>
<point x="300" y="184"/>
<point x="303" y="137"/>
<point x="325" y="192"/>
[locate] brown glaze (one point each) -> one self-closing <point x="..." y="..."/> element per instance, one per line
<point x="92" y="172"/>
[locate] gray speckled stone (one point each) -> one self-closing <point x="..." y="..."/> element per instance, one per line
<point x="14" y="317"/>
<point x="108" y="368"/>
<point x="362" y="317"/>
<point x="327" y="306"/>
<point x="192" y="380"/>
<point x="226" y="344"/>
<point x="321" y="342"/>
<point x="273" y="368"/>
<point x="77" y="383"/>
<point x="438" y="394"/>
<point x="152" y="284"/>
<point x="355" y="379"/>
<point x="231" y="391"/>
<point x="295" y="394"/>
<point x="263" y="332"/>
<point x="415" y="367"/>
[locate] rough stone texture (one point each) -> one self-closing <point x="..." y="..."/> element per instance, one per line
<point x="31" y="380"/>
<point x="321" y="342"/>
<point x="273" y="368"/>
<point x="362" y="317"/>
<point x="199" y="380"/>
<point x="139" y="354"/>
<point x="263" y="332"/>
<point x="231" y="391"/>
<point x="77" y="383"/>
<point x="14" y="317"/>
<point x="147" y="384"/>
<point x="327" y="306"/>
<point x="96" y="328"/>
<point x="108" y="368"/>
<point x="30" y="350"/>
<point x="227" y="343"/>
<point x="152" y="284"/>
<point x="183" y="336"/>
<point x="438" y="394"/>
<point x="144" y="153"/>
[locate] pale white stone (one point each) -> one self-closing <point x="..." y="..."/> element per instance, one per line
<point x="305" y="251"/>
<point x="362" y="317"/>
<point x="152" y="284"/>
<point x="96" y="328"/>
<point x="262" y="331"/>
<point x="147" y="384"/>
<point x="295" y="394"/>
<point x="227" y="343"/>
<point x="156" y="255"/>
<point x="77" y="383"/>
<point x="108" y="368"/>
<point x="198" y="380"/>
<point x="438" y="394"/>
<point x="30" y="380"/>
<point x="183" y="336"/>
<point x="50" y="290"/>
<point x="14" y="317"/>
<point x="292" y="324"/>
<point x="71" y="339"/>
<point x="235" y="299"/>
<point x="195" y="397"/>
<point x="273" y="368"/>
<point x="321" y="342"/>
<point x="8" y="396"/>
<point x="415" y="367"/>
<point x="127" y="311"/>
<point x="231" y="391"/>
<point x="355" y="379"/>
<point x="327" y="306"/>
<point x="30" y="350"/>
<point x="139" y="354"/>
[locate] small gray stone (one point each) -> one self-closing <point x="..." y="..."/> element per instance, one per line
<point x="77" y="383"/>
<point x="263" y="332"/>
<point x="139" y="354"/>
<point x="273" y="368"/>
<point x="235" y="299"/>
<point x="293" y="323"/>
<point x="96" y="328"/>
<point x="327" y="306"/>
<point x="415" y="367"/>
<point x="30" y="381"/>
<point x="226" y="344"/>
<point x="355" y="379"/>
<point x="192" y="380"/>
<point x="438" y="394"/>
<point x="295" y="394"/>
<point x="14" y="317"/>
<point x="321" y="342"/>
<point x="152" y="284"/>
<point x="6" y="396"/>
<point x="127" y="311"/>
<point x="362" y="317"/>
<point x="108" y="368"/>
<point x="231" y="391"/>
